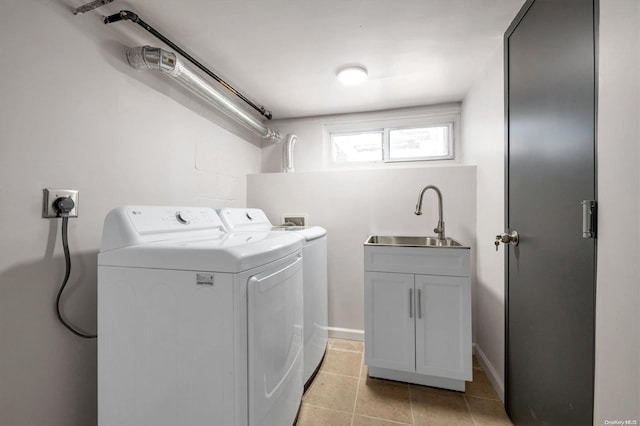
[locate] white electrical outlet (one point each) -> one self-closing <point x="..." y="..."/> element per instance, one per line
<point x="49" y="196"/>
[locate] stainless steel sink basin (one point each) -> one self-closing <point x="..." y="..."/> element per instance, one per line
<point x="388" y="240"/>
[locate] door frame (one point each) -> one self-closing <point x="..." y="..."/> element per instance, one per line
<point x="514" y="24"/>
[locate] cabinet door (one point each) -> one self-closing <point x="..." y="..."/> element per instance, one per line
<point x="443" y="326"/>
<point x="389" y="320"/>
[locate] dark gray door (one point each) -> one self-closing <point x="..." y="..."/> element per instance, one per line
<point x="550" y="295"/>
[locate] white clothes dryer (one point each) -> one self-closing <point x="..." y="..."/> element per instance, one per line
<point x="197" y="326"/>
<point x="315" y="291"/>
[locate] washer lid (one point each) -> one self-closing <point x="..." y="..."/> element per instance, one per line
<point x="215" y="253"/>
<point x="313" y="232"/>
<point x="189" y="238"/>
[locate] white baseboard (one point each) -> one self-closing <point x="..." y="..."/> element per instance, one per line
<point x="346" y="333"/>
<point x="490" y="371"/>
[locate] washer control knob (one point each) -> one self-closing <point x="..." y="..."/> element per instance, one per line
<point x="183" y="217"/>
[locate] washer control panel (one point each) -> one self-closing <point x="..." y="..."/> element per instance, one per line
<point x="184" y="217"/>
<point x="132" y="225"/>
<point x="244" y="219"/>
<point x="155" y="219"/>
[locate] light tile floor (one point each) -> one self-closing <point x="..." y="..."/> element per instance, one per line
<point x="342" y="394"/>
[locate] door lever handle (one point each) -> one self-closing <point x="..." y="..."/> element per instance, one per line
<point x="505" y="238"/>
<point x="589" y="211"/>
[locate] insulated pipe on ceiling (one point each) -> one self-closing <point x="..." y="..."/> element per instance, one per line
<point x="128" y="15"/>
<point x="155" y="58"/>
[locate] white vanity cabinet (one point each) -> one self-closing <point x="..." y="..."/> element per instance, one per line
<point x="418" y="315"/>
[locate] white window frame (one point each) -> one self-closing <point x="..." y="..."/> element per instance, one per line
<point x="452" y="119"/>
<point x="332" y="146"/>
<point x="387" y="144"/>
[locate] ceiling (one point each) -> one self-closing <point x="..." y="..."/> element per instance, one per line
<point x="284" y="54"/>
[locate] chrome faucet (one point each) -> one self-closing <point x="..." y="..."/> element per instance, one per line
<point x="440" y="227"/>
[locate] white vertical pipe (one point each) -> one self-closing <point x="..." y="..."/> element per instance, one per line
<point x="287" y="153"/>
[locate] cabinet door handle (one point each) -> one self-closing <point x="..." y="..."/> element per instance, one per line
<point x="419" y="303"/>
<point x="410" y="303"/>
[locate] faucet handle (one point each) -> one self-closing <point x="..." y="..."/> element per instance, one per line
<point x="439" y="230"/>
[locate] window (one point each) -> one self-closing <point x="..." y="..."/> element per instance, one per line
<point x="421" y="143"/>
<point x="356" y="147"/>
<point x="430" y="138"/>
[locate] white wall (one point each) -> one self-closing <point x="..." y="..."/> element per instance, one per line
<point x="617" y="384"/>
<point x="483" y="133"/>
<point x="310" y="153"/>
<point x="355" y="201"/>
<point x="74" y="115"/>
<point x="354" y="204"/>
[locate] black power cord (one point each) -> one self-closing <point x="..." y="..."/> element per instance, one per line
<point x="63" y="206"/>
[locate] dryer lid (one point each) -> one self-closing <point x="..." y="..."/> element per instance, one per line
<point x="308" y="232"/>
<point x="244" y="219"/>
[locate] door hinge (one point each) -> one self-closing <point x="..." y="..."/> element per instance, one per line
<point x="589" y="218"/>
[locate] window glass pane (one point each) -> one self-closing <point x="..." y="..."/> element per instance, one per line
<point x="356" y="147"/>
<point x="419" y="142"/>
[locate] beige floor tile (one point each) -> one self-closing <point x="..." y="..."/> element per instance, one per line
<point x="341" y="362"/>
<point x="487" y="412"/>
<point x="332" y="391"/>
<point x="372" y="421"/>
<point x="345" y="345"/>
<point x="342" y="383"/>
<point x="420" y="388"/>
<point x="480" y="386"/>
<point x="316" y="416"/>
<point x="364" y="371"/>
<point x="384" y="400"/>
<point x="434" y="408"/>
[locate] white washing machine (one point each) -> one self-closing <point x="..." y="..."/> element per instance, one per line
<point x="314" y="254"/>
<point x="197" y="326"/>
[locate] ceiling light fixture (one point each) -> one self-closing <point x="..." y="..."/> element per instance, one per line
<point x="353" y="75"/>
